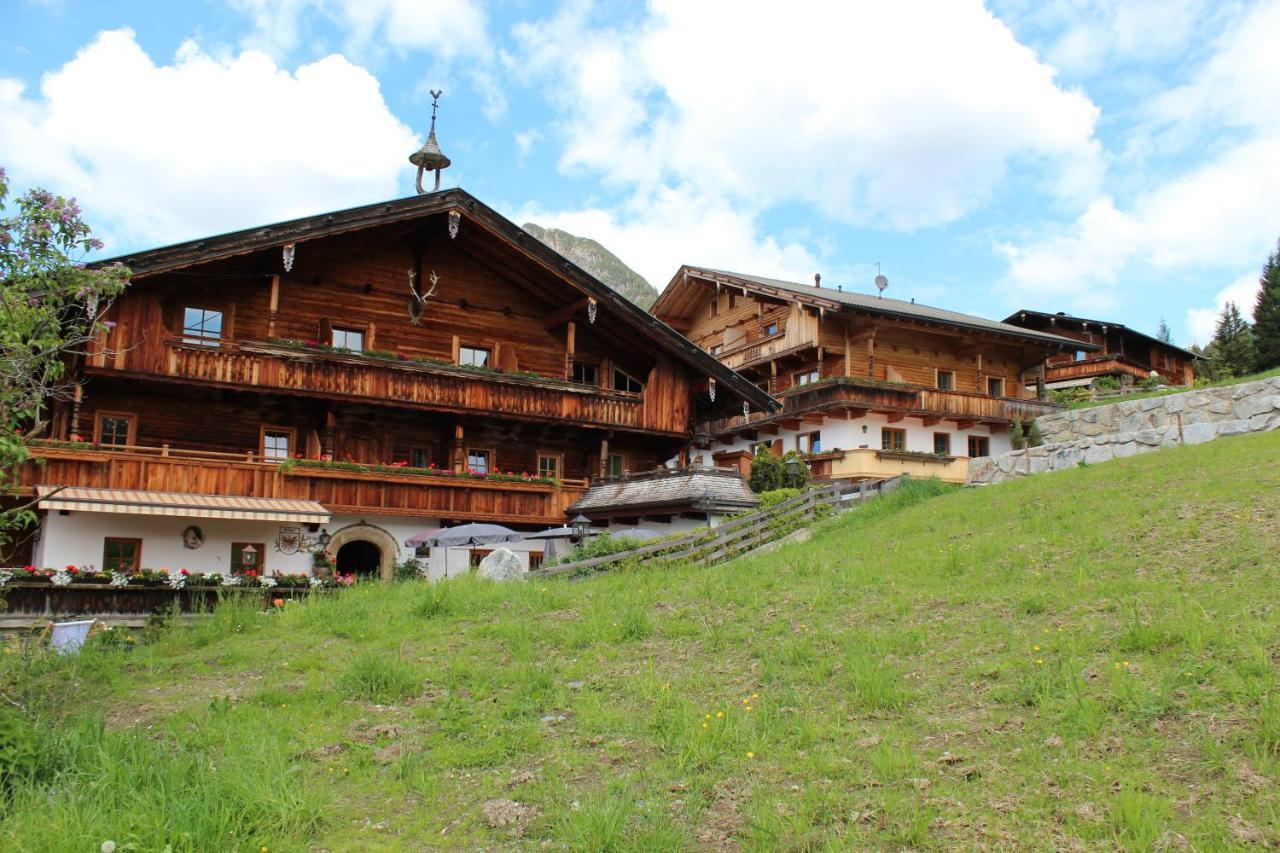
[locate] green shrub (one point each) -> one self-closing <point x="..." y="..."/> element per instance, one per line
<point x="407" y="570"/>
<point x="777" y="496"/>
<point x="1017" y="438"/>
<point x="1106" y="383"/>
<point x="767" y="471"/>
<point x="1034" y="438"/>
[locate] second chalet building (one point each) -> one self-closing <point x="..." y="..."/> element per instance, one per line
<point x="871" y="387"/>
<point x="362" y="376"/>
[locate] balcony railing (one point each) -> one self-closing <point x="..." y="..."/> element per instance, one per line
<point x="375" y="380"/>
<point x="1099" y="366"/>
<point x="370" y="490"/>
<point x="857" y="393"/>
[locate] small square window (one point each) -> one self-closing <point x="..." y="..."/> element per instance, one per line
<point x="419" y="457"/>
<point x="276" y="443"/>
<point x="807" y="377"/>
<point x="352" y="339"/>
<point x="717" y="349"/>
<point x="893" y="439"/>
<point x="626" y="382"/>
<point x="809" y="442"/>
<point x="995" y="386"/>
<point x="942" y="443"/>
<point x="201" y="326"/>
<point x="479" y="461"/>
<point x="535" y="560"/>
<point x="549" y="465"/>
<point x="115" y="430"/>
<point x="979" y="445"/>
<point x="121" y="555"/>
<point x="771" y="328"/>
<point x="586" y="373"/>
<point x="714" y="307"/>
<point x="248" y="558"/>
<point x="478" y="555"/>
<point x="946" y="380"/>
<point x="615" y="465"/>
<point x="474" y="356"/>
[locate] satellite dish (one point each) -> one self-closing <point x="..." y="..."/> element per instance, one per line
<point x="881" y="283"/>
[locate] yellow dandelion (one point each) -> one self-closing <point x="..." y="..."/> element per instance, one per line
<point x="704" y="725"/>
<point x="747" y="708"/>
<point x="1039" y="662"/>
<point x="1126" y="663"/>
<point x="666" y="685"/>
<point x="719" y="714"/>
<point x="755" y="695"/>
<point x="751" y="755"/>
<point x="1035" y="648"/>
<point x="745" y="701"/>
<point x="707" y="717"/>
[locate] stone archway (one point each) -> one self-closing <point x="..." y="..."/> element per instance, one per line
<point x="388" y="547"/>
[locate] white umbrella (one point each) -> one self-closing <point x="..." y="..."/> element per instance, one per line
<point x="463" y="535"/>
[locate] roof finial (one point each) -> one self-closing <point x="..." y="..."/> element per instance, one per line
<point x="429" y="158"/>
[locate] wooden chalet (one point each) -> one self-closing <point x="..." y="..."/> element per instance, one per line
<point x="871" y="387"/>
<point x="342" y="382"/>
<point x="1113" y="350"/>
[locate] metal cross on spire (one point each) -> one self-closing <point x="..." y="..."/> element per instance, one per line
<point x="429" y="158"/>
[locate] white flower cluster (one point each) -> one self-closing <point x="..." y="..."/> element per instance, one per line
<point x="177" y="581"/>
<point x="213" y="578"/>
<point x="231" y="580"/>
<point x="316" y="582"/>
<point x="61" y="578"/>
<point x="267" y="582"/>
<point x="5" y="576"/>
<point x="119" y="579"/>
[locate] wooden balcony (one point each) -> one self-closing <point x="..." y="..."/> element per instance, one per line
<point x="375" y="492"/>
<point x="873" y="464"/>
<point x="856" y="395"/>
<point x="415" y="384"/>
<point x="1089" y="368"/>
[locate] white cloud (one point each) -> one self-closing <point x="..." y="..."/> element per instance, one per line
<point x="856" y="109"/>
<point x="1219" y="213"/>
<point x="1201" y="322"/>
<point x="204" y="144"/>
<point x="655" y="236"/>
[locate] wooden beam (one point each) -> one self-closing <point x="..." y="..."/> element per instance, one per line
<point x="274" y="307"/>
<point x="790" y="423"/>
<point x="815" y="419"/>
<point x="930" y="421"/>
<point x="894" y="417"/>
<point x="962" y="424"/>
<point x="570" y="342"/>
<point x="767" y="429"/>
<point x="854" y="414"/>
<point x="560" y="316"/>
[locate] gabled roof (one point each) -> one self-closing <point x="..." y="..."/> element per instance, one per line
<point x="652" y="331"/>
<point x="701" y="489"/>
<point x="834" y="300"/>
<point x="1061" y="317"/>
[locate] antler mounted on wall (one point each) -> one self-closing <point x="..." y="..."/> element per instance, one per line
<point x="419" y="300"/>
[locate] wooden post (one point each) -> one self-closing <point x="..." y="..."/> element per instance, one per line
<point x="1182" y="438"/>
<point x="274" y="308"/>
<point x="77" y="395"/>
<point x="329" y="430"/>
<point x="604" y="456"/>
<point x="773" y="376"/>
<point x="457" y="453"/>
<point x="571" y="335"/>
<point x="871" y="355"/>
<point x="848" y="353"/>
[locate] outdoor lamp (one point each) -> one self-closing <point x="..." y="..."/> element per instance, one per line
<point x="794" y="466"/>
<point x="581" y="525"/>
<point x="324" y="539"/>
<point x="249" y="557"/>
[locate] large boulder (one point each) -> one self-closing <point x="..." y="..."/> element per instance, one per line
<point x="502" y="565"/>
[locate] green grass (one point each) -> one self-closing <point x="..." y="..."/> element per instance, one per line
<point x="1082" y="659"/>
<point x="1142" y="395"/>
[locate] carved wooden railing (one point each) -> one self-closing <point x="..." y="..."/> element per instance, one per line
<point x="401" y="492"/>
<point x="1096" y="366"/>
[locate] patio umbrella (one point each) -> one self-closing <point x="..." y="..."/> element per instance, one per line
<point x="635" y="533"/>
<point x="558" y="533"/>
<point x="462" y="536"/>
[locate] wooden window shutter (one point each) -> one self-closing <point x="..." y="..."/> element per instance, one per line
<point x="325" y="333"/>
<point x="457" y="344"/>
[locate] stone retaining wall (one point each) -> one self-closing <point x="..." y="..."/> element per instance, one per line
<point x="1137" y="426"/>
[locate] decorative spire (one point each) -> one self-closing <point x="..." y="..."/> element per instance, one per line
<point x="429" y="158"/>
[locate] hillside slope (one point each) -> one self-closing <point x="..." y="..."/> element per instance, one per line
<point x="599" y="261"/>
<point x="1079" y="660"/>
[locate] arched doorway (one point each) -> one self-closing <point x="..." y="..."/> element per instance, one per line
<point x="360" y="558"/>
<point x="373" y="544"/>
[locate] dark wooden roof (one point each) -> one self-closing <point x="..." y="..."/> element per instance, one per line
<point x="707" y="489"/>
<point x="1018" y="317"/>
<point x="653" y="331"/>
<point x="833" y="299"/>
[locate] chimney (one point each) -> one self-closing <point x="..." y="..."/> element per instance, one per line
<point x="817" y="279"/>
<point x="840" y="287"/>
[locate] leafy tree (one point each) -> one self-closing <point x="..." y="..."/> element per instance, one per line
<point x="767" y="470"/>
<point x="1163" y="332"/>
<point x="1017" y="438"/>
<point x="1232" y="344"/>
<point x="1205" y="368"/>
<point x="51" y="307"/>
<point x="1266" y="314"/>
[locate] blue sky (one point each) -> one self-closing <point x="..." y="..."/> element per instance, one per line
<point x="1114" y="159"/>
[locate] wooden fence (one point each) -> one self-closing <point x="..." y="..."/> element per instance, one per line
<point x="740" y="535"/>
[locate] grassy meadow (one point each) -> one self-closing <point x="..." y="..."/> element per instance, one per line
<point x="1081" y="660"/>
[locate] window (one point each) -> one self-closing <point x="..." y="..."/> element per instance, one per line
<point x="717" y="349"/>
<point x="201" y="326"/>
<point x="549" y="465"/>
<point x="114" y="429"/>
<point x="352" y="339"/>
<point x="121" y="555"/>
<point x="615" y="465"/>
<point x="479" y="461"/>
<point x="478" y="555"/>
<point x="474" y="356"/>
<point x="995" y="386"/>
<point x="942" y="443"/>
<point x="809" y="442"/>
<point x="979" y="445"/>
<point x="276" y="442"/>
<point x="893" y="439"/>
<point x="771" y="328"/>
<point x="419" y="457"/>
<point x="586" y="373"/>
<point x="946" y="380"/>
<point x="733" y="300"/>
<point x="535" y="560"/>
<point x="248" y="558"/>
<point x="714" y="307"/>
<point x="422" y="552"/>
<point x="807" y="377"/>
<point x="1081" y="355"/>
<point x="626" y="382"/>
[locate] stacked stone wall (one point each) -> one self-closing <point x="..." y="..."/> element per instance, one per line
<point x="1126" y="429"/>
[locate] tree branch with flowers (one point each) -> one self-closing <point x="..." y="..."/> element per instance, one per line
<point x="52" y="307"/>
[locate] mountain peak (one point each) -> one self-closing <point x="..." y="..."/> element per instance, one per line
<point x="599" y="261"/>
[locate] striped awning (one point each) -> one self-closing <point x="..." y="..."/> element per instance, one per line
<point x="130" y="502"/>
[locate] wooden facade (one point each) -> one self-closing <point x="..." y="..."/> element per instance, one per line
<point x="237" y="366"/>
<point x="1107" y="349"/>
